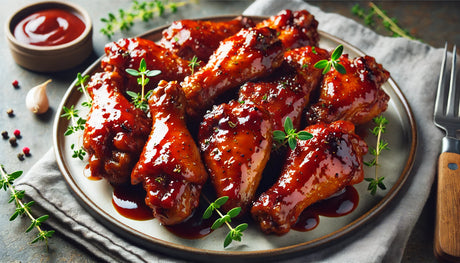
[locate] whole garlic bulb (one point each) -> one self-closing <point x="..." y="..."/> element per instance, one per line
<point x="36" y="99"/>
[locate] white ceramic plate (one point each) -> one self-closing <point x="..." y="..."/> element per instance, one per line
<point x="96" y="196"/>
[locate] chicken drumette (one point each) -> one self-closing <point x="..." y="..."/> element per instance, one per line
<point x="127" y="53"/>
<point x="249" y="54"/>
<point x="189" y="38"/>
<point x="286" y="93"/>
<point x="115" y="131"/>
<point x="355" y="96"/>
<point x="314" y="170"/>
<point x="170" y="165"/>
<point x="236" y="141"/>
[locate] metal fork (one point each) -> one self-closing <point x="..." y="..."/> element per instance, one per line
<point x="447" y="117"/>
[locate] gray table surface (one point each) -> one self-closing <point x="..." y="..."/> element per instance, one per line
<point x="432" y="21"/>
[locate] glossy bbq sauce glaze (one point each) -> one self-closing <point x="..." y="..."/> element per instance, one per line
<point x="49" y="27"/>
<point x="340" y="204"/>
<point x="129" y="201"/>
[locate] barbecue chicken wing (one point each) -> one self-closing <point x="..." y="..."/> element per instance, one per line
<point x="286" y="93"/>
<point x="314" y="170"/>
<point x="356" y="96"/>
<point x="236" y="140"/>
<point x="127" y="53"/>
<point x="170" y="165"/>
<point x="295" y="29"/>
<point x="249" y="54"/>
<point x="115" y="131"/>
<point x="189" y="38"/>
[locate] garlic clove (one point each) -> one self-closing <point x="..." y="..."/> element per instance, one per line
<point x="36" y="99"/>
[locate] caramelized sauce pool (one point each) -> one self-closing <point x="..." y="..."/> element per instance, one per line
<point x="49" y="28"/>
<point x="339" y="205"/>
<point x="88" y="175"/>
<point x="129" y="201"/>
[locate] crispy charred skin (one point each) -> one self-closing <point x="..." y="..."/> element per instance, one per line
<point x="128" y="53"/>
<point x="115" y="131"/>
<point x="250" y="54"/>
<point x="287" y="92"/>
<point x="189" y="38"/>
<point x="314" y="170"/>
<point x="170" y="165"/>
<point x="235" y="141"/>
<point x="296" y="29"/>
<point x="356" y="96"/>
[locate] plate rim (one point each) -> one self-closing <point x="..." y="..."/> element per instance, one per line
<point x="182" y="251"/>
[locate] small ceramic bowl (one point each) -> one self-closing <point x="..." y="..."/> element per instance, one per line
<point x="50" y="58"/>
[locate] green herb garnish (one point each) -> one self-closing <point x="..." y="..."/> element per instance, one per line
<point x="378" y="130"/>
<point x="234" y="233"/>
<point x="139" y="11"/>
<point x="326" y="65"/>
<point x="140" y="100"/>
<point x="194" y="63"/>
<point x="84" y="89"/>
<point x="6" y="182"/>
<point x="289" y="135"/>
<point x="391" y="24"/>
<point x="77" y="123"/>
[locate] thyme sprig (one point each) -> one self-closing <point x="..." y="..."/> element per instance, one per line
<point x="390" y="24"/>
<point x="194" y="63"/>
<point x="380" y="128"/>
<point x="234" y="233"/>
<point x="140" y="100"/>
<point x="326" y="65"/>
<point x="139" y="11"/>
<point x="82" y="87"/>
<point x="289" y="135"/>
<point x="76" y="124"/>
<point x="7" y="183"/>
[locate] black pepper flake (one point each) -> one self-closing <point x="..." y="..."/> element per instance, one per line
<point x="21" y="156"/>
<point x="13" y="141"/>
<point x="5" y="135"/>
<point x="10" y="112"/>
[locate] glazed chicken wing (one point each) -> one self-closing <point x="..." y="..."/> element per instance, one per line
<point x="287" y="92"/>
<point x="356" y="96"/>
<point x="236" y="141"/>
<point x="170" y="165"/>
<point x="115" y="131"/>
<point x="189" y="38"/>
<point x="249" y="54"/>
<point x="295" y="29"/>
<point x="314" y="170"/>
<point x="127" y="53"/>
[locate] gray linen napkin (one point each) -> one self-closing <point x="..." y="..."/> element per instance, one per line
<point x="413" y="65"/>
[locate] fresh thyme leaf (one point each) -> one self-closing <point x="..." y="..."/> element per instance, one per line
<point x="234" y="233"/>
<point x="138" y="11"/>
<point x="326" y="65"/>
<point x="194" y="63"/>
<point x="377" y="182"/>
<point x="289" y="135"/>
<point x="23" y="208"/>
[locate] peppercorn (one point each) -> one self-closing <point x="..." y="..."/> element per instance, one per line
<point x="13" y="141"/>
<point x="26" y="151"/>
<point x="10" y="112"/>
<point x="17" y="133"/>
<point x="5" y="135"/>
<point x="21" y="156"/>
<point x="15" y="83"/>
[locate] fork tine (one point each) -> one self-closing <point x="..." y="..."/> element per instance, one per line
<point x="452" y="87"/>
<point x="439" y="104"/>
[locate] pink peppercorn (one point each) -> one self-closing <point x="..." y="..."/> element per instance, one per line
<point x="15" y="83"/>
<point x="26" y="151"/>
<point x="17" y="133"/>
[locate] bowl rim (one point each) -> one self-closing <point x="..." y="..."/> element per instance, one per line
<point x="42" y="6"/>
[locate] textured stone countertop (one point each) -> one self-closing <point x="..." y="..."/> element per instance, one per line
<point x="434" y="22"/>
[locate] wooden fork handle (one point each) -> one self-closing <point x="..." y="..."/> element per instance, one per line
<point x="447" y="231"/>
